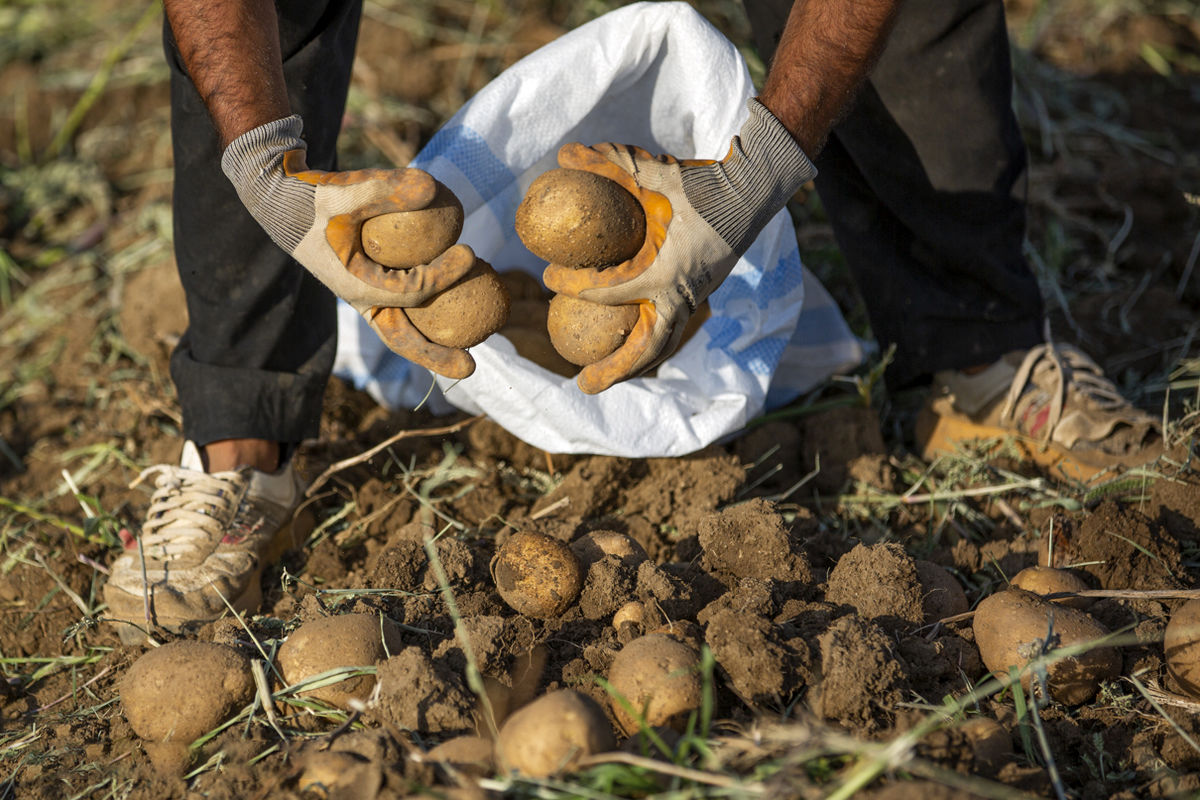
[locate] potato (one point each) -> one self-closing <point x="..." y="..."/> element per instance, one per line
<point x="526" y="329"/>
<point x="537" y="575"/>
<point x="659" y="677"/>
<point x="471" y="755"/>
<point x="182" y="690"/>
<point x="404" y="239"/>
<point x="349" y="640"/>
<point x="1010" y="625"/>
<point x="594" y="545"/>
<point x="552" y="733"/>
<point x="633" y="612"/>
<point x="324" y="772"/>
<point x="584" y="332"/>
<point x="466" y="313"/>
<point x="577" y="219"/>
<point x="1181" y="646"/>
<point x="1049" y="580"/>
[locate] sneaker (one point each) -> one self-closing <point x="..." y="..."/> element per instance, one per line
<point x="1054" y="401"/>
<point x="205" y="541"/>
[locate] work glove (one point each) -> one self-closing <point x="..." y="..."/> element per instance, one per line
<point x="317" y="218"/>
<point x="701" y="216"/>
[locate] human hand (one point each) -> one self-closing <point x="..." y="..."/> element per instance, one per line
<point x="701" y="216"/>
<point x="317" y="217"/>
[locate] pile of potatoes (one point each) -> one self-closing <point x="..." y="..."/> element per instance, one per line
<point x="576" y="219"/>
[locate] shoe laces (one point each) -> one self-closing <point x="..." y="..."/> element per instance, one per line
<point x="1072" y="372"/>
<point x="188" y="509"/>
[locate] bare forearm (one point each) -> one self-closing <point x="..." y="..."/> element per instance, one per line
<point x="231" y="51"/>
<point x="827" y="49"/>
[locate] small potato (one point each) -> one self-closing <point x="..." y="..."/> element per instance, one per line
<point x="659" y="676"/>
<point x="943" y="596"/>
<point x="577" y="219"/>
<point x="348" y="640"/>
<point x="595" y="545"/>
<point x="466" y="313"/>
<point x="404" y="239"/>
<point x="1181" y="646"/>
<point x="552" y="733"/>
<point x="584" y="332"/>
<point x="471" y="755"/>
<point x="1010" y="627"/>
<point x="537" y="575"/>
<point x="1050" y="580"/>
<point x="182" y="690"/>
<point x="633" y="612"/>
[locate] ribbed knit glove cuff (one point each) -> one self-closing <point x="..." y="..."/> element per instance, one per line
<point x="253" y="162"/>
<point x="739" y="195"/>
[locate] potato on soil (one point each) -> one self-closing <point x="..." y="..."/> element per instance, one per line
<point x="404" y="239"/>
<point x="468" y="754"/>
<point x="584" y="332"/>
<point x="1010" y="627"/>
<point x="184" y="689"/>
<point x="577" y="219"/>
<point x="466" y="313"/>
<point x="552" y="733"/>
<point x="1181" y="646"/>
<point x="659" y="676"/>
<point x="537" y="575"/>
<point x="943" y="596"/>
<point x="1051" y="580"/>
<point x="348" y="640"/>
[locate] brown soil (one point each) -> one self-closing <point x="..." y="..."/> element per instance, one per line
<point x="831" y="608"/>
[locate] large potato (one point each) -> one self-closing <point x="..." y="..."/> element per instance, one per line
<point x="184" y="689"/>
<point x="466" y="313"/>
<point x="404" y="239"/>
<point x="552" y="733"/>
<point x="577" y="219"/>
<point x="1010" y="627"/>
<point x="1181" y="646"/>
<point x="584" y="332"/>
<point x="537" y="575"/>
<point x="348" y="640"/>
<point x="659" y="676"/>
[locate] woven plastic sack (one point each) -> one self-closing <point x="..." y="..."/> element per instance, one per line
<point x="657" y="75"/>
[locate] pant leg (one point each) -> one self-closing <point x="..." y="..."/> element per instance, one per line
<point x="261" y="333"/>
<point x="924" y="182"/>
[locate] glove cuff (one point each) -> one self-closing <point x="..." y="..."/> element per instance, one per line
<point x="253" y="162"/>
<point x="764" y="168"/>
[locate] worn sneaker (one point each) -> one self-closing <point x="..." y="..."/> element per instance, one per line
<point x="205" y="541"/>
<point x="1053" y="401"/>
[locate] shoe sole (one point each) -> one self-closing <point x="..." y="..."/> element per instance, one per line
<point x="941" y="431"/>
<point x="288" y="537"/>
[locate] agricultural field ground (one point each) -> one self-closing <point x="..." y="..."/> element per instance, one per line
<point x="826" y="577"/>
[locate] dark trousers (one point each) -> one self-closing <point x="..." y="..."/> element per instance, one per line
<point x="923" y="181"/>
<point x="261" y="336"/>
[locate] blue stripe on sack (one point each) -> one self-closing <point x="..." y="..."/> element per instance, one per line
<point x="757" y="358"/>
<point x="469" y="152"/>
<point x="760" y="357"/>
<point x="820" y="326"/>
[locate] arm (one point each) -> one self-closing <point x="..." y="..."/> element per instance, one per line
<point x="827" y="49"/>
<point x="231" y="51"/>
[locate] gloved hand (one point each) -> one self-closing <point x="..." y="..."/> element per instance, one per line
<point x="317" y="217"/>
<point x="701" y="216"/>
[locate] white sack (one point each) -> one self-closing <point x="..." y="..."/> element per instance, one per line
<point x="657" y="75"/>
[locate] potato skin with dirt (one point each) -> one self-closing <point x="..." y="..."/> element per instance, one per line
<point x="466" y="313"/>
<point x="404" y="239"/>
<point x="660" y="678"/>
<point x="552" y="733"/>
<point x="577" y="219"/>
<point x="537" y="575"/>
<point x="1051" y="580"/>
<point x="347" y="640"/>
<point x="584" y="332"/>
<point x="184" y="689"/>
<point x="1181" y="647"/>
<point x="1009" y="626"/>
